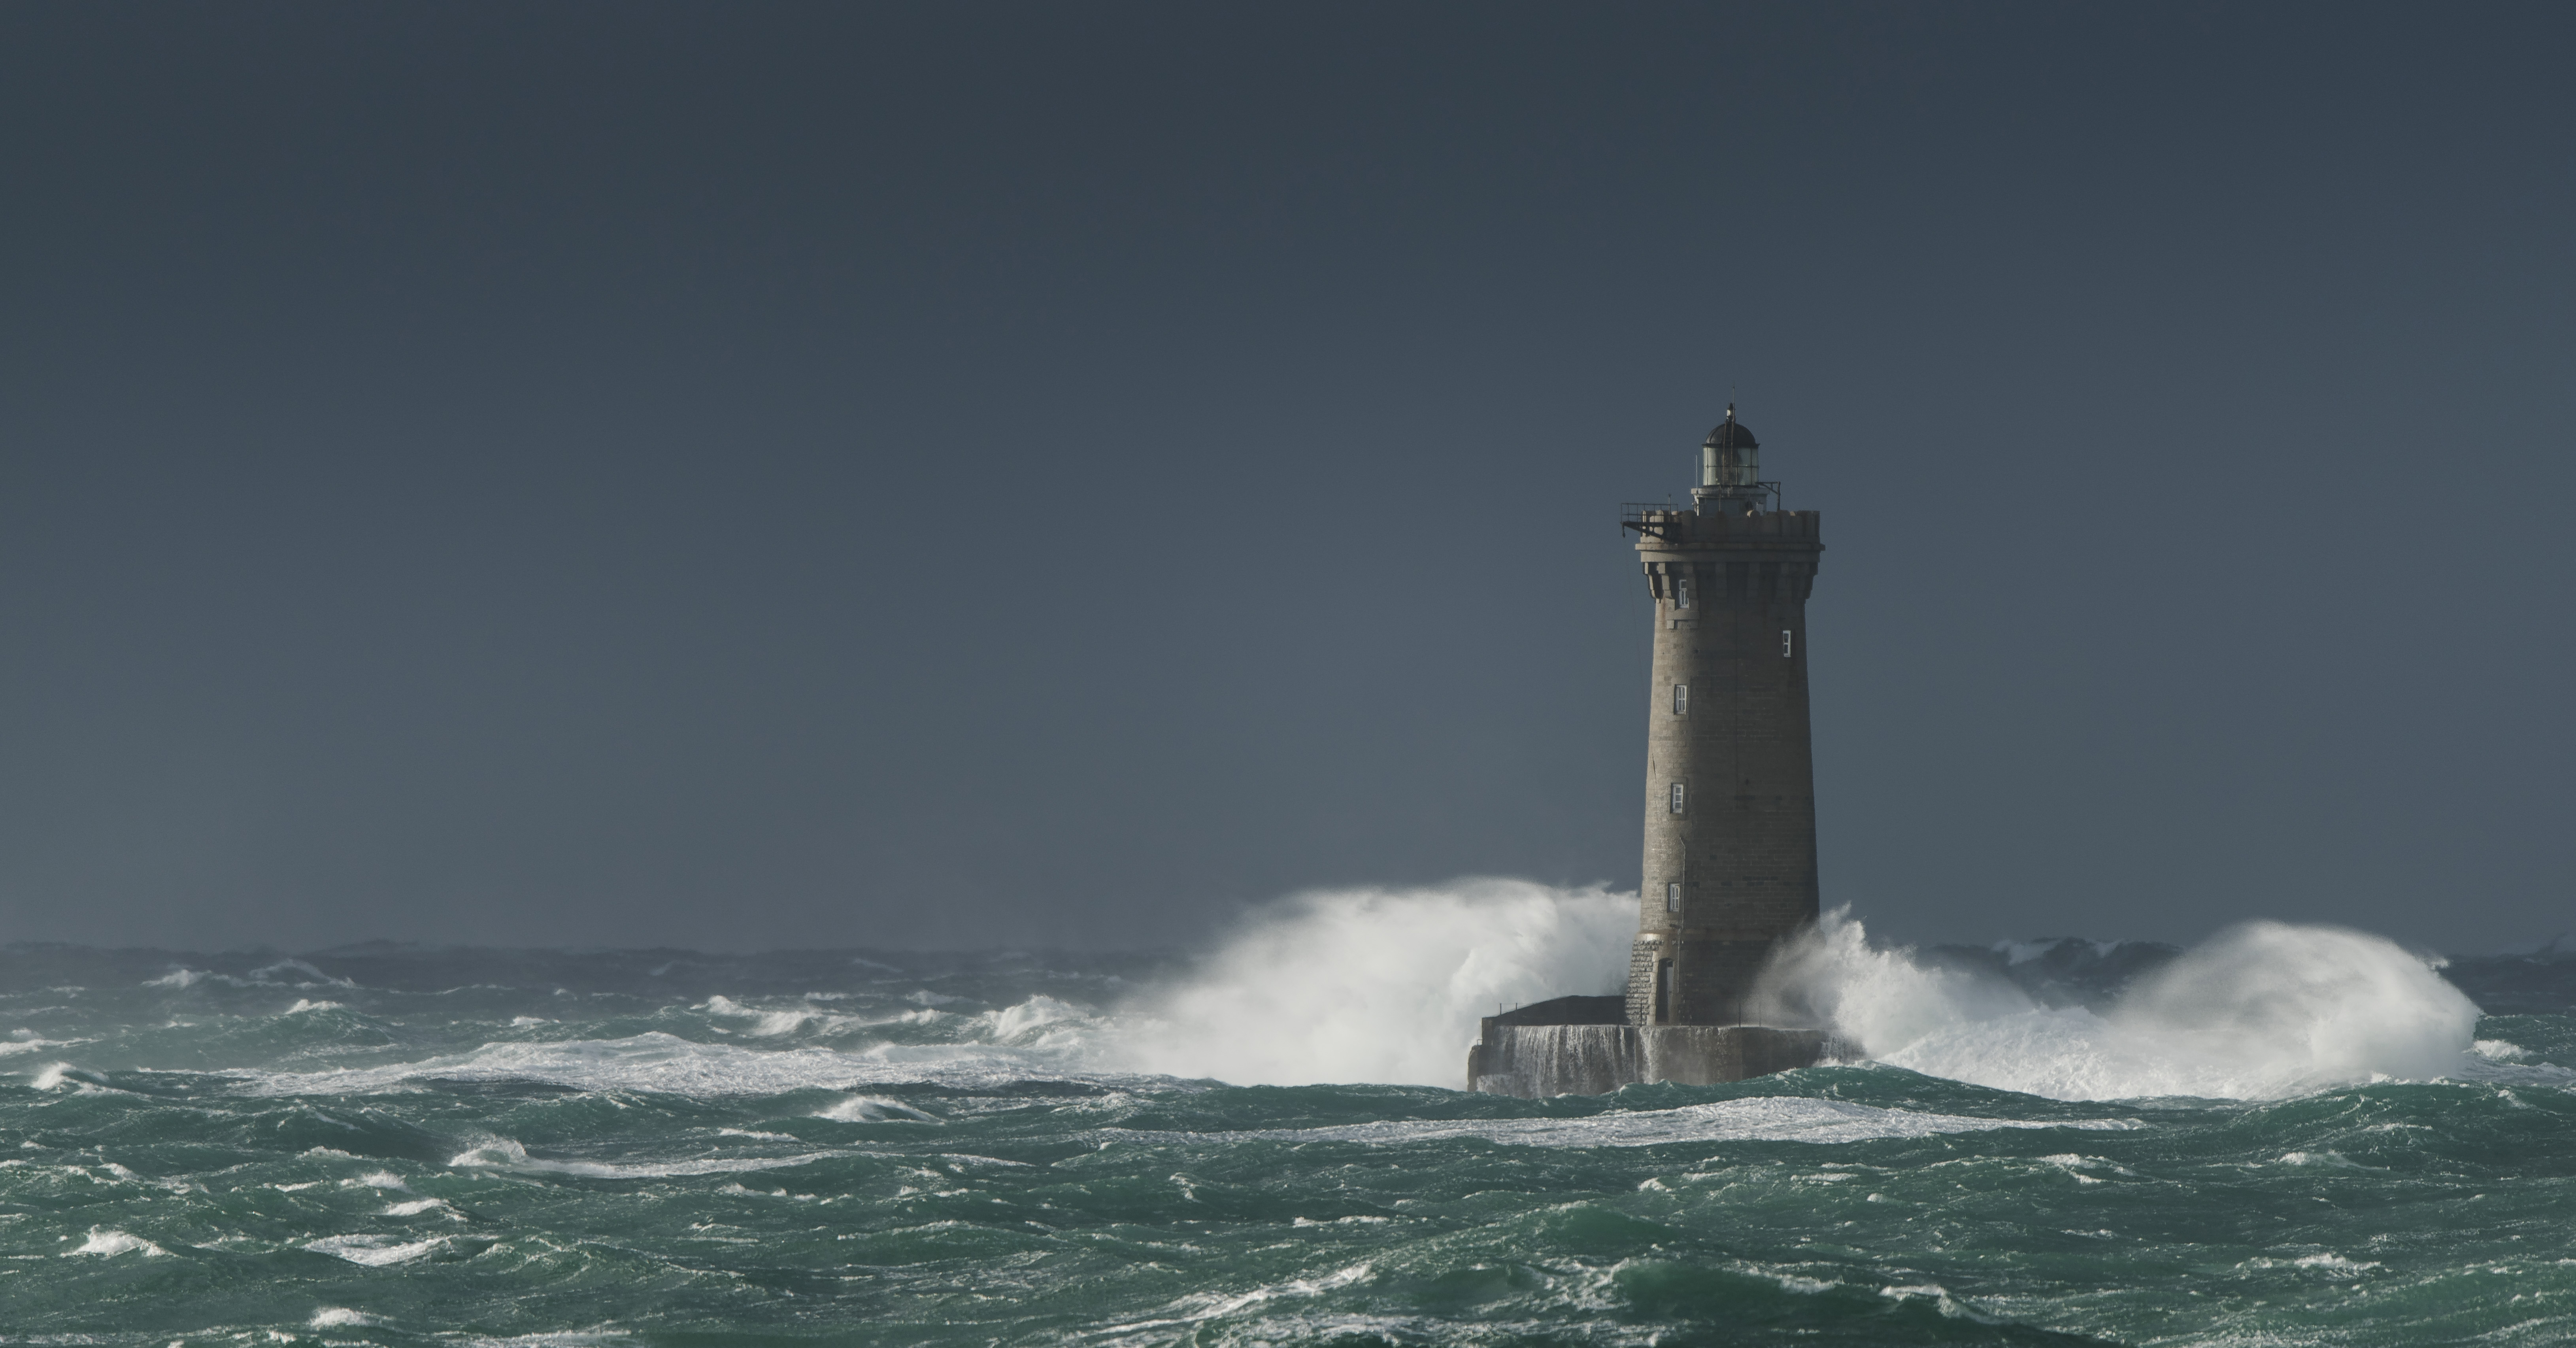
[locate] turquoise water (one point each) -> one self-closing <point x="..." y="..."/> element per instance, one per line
<point x="392" y="1146"/>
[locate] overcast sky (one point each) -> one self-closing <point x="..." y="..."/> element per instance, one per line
<point x="972" y="474"/>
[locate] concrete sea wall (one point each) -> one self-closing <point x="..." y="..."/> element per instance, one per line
<point x="1542" y="1060"/>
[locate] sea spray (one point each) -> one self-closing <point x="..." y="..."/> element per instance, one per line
<point x="2307" y="1006"/>
<point x="2261" y="1010"/>
<point x="630" y="1161"/>
<point x="1381" y="985"/>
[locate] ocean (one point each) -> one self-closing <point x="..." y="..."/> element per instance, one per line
<point x="2290" y="1135"/>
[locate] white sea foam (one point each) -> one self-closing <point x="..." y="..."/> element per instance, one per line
<point x="105" y="1242"/>
<point x="506" y="1154"/>
<point x="1041" y="1022"/>
<point x="375" y="1251"/>
<point x="561" y="1338"/>
<point x="768" y="1023"/>
<point x="1199" y="1306"/>
<point x="1786" y="1119"/>
<point x="2262" y="1010"/>
<point x="56" y="1076"/>
<point x="873" y="1109"/>
<point x="339" y="1317"/>
<point x="1380" y="985"/>
<point x="667" y="1063"/>
<point x="176" y="978"/>
<point x="303" y="975"/>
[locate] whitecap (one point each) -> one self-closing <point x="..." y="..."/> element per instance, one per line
<point x="339" y="1317"/>
<point x="507" y="1154"/>
<point x="768" y="1022"/>
<point x="268" y="974"/>
<point x="1025" y="1021"/>
<point x="660" y="1062"/>
<point x="2330" y="1264"/>
<point x="558" y="1338"/>
<point x="1199" y="1306"/>
<point x="106" y="1242"/>
<point x="873" y="1109"/>
<point x="55" y="1076"/>
<point x="375" y="1251"/>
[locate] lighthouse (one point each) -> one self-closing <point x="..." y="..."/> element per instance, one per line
<point x="1730" y="856"/>
<point x="1730" y="846"/>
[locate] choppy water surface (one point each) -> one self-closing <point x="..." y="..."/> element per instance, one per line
<point x="394" y="1146"/>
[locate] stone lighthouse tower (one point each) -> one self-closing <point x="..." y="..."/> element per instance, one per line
<point x="1730" y="806"/>
<point x="1730" y="860"/>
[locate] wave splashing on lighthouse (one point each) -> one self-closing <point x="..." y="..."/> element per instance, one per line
<point x="1380" y="984"/>
<point x="1387" y="985"/>
<point x="616" y="1146"/>
<point x="2259" y="1011"/>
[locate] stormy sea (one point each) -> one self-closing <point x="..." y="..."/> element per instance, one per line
<point x="2286" y="1135"/>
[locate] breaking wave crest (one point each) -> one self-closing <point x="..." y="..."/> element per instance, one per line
<point x="580" y="1149"/>
<point x="1378" y="984"/>
<point x="1340" y="986"/>
<point x="2259" y="1011"/>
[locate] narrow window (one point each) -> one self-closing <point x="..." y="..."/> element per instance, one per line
<point x="1784" y="643"/>
<point x="1677" y="798"/>
<point x="1663" y="989"/>
<point x="1681" y="699"/>
<point x="1672" y="896"/>
<point x="1681" y="592"/>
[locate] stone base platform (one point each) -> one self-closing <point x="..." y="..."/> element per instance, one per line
<point x="1567" y="1047"/>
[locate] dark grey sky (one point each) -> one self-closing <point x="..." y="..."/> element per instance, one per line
<point x="976" y="474"/>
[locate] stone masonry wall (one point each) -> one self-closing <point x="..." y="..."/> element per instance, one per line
<point x="1743" y="845"/>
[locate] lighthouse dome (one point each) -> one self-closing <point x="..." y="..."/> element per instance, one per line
<point x="1731" y="457"/>
<point x="1731" y="434"/>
